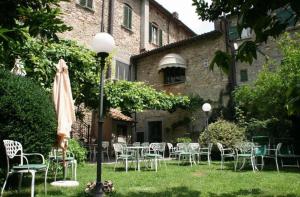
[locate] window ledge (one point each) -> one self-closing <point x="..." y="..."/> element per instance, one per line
<point x="154" y="44"/>
<point x="126" y="28"/>
<point x="242" y="39"/>
<point x="85" y="8"/>
<point x="174" y="83"/>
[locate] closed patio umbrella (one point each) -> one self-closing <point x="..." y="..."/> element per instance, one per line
<point x="64" y="106"/>
<point x="63" y="101"/>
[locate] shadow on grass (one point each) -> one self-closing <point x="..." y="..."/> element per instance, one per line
<point x="247" y="192"/>
<point x="186" y="192"/>
<point x="174" y="191"/>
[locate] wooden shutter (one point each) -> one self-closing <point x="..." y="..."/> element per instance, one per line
<point x="160" y="38"/>
<point x="150" y="32"/>
<point x="129" y="18"/>
<point x="125" y="16"/>
<point x="233" y="33"/>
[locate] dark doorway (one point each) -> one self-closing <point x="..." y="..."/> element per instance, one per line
<point x="155" y="131"/>
<point x="140" y="137"/>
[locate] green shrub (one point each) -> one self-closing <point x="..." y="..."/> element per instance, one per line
<point x="183" y="140"/>
<point x="78" y="151"/>
<point x="27" y="115"/>
<point x="224" y="132"/>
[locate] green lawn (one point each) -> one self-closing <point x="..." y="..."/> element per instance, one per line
<point x="182" y="180"/>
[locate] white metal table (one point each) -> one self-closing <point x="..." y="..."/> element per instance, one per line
<point x="137" y="150"/>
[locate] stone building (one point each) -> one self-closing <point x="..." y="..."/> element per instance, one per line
<point x="154" y="46"/>
<point x="136" y="25"/>
<point x="245" y="73"/>
<point x="180" y="68"/>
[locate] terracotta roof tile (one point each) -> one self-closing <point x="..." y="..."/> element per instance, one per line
<point x="117" y="115"/>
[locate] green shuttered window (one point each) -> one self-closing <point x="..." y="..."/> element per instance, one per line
<point x="127" y="16"/>
<point x="86" y="3"/>
<point x="244" y="75"/>
<point x="155" y="34"/>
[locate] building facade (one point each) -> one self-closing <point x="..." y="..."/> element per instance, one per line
<point x="136" y="25"/>
<point x="179" y="68"/>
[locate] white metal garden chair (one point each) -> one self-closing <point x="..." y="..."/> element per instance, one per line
<point x="153" y="155"/>
<point x="121" y="154"/>
<point x="56" y="159"/>
<point x="206" y="151"/>
<point x="14" y="149"/>
<point x="188" y="152"/>
<point x="244" y="151"/>
<point x="171" y="150"/>
<point x="225" y="153"/>
<point x="105" y="149"/>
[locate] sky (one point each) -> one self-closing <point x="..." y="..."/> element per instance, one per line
<point x="187" y="14"/>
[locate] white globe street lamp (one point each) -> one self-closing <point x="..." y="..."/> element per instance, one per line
<point x="206" y="107"/>
<point x="103" y="43"/>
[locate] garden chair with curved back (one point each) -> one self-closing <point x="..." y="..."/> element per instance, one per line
<point x="261" y="149"/>
<point x="153" y="155"/>
<point x="14" y="149"/>
<point x="283" y="153"/>
<point x="195" y="149"/>
<point x="105" y="149"/>
<point x="56" y="159"/>
<point x="273" y="154"/>
<point x="171" y="150"/>
<point x="121" y="154"/>
<point x="180" y="147"/>
<point x="189" y="152"/>
<point x="225" y="153"/>
<point x="245" y="150"/>
<point x="206" y="151"/>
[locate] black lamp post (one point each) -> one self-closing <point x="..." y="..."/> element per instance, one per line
<point x="103" y="44"/>
<point x="206" y="107"/>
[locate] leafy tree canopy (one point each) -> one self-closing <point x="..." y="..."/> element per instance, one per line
<point x="275" y="94"/>
<point x="266" y="18"/>
<point x="18" y="18"/>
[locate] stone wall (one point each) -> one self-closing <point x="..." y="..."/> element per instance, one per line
<point x="172" y="32"/>
<point x="199" y="80"/>
<point x="85" y="22"/>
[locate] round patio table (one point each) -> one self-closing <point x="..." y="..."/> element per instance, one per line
<point x="137" y="150"/>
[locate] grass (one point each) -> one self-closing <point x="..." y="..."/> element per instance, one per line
<point x="183" y="180"/>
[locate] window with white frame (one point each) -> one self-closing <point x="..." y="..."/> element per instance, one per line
<point x="122" y="71"/>
<point x="127" y="16"/>
<point x="86" y="3"/>
<point x="155" y="34"/>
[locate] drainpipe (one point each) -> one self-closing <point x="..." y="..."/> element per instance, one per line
<point x="111" y="16"/>
<point x="169" y="20"/>
<point x="102" y="17"/>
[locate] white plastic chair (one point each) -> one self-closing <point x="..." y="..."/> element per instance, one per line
<point x="12" y="149"/>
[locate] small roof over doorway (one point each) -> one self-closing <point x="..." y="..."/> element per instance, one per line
<point x="172" y="60"/>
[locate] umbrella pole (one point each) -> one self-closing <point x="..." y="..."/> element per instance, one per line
<point x="64" y="164"/>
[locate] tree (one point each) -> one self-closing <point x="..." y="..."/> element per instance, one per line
<point x="265" y="18"/>
<point x="19" y="18"/>
<point x="274" y="97"/>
